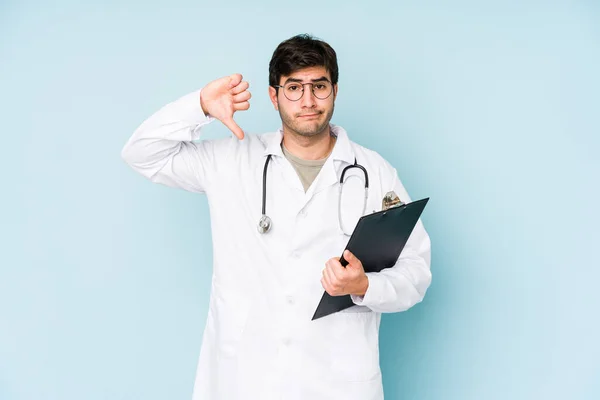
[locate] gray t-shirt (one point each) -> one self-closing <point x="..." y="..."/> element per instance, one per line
<point x="307" y="169"/>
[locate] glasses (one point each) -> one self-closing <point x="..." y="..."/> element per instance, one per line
<point x="294" y="91"/>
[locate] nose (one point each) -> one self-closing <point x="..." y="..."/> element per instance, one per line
<point x="308" y="98"/>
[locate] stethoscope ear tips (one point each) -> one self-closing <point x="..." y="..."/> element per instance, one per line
<point x="264" y="225"/>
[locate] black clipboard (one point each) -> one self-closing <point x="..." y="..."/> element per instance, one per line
<point x="377" y="241"/>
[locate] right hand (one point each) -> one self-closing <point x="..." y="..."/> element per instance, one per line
<point x="221" y="98"/>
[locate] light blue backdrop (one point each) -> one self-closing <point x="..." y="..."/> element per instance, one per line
<point x="491" y="110"/>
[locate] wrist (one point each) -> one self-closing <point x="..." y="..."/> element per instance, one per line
<point x="362" y="286"/>
<point x="202" y="105"/>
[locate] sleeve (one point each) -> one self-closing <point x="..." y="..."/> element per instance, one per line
<point x="402" y="286"/>
<point x="163" y="150"/>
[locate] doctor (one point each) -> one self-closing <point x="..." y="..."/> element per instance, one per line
<point x="260" y="342"/>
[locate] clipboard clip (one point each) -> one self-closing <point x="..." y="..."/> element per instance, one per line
<point x="391" y="200"/>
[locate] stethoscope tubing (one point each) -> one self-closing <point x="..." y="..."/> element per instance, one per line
<point x="265" y="222"/>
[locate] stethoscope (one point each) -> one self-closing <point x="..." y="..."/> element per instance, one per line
<point x="265" y="223"/>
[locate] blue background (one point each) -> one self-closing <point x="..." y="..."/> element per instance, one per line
<point x="490" y="108"/>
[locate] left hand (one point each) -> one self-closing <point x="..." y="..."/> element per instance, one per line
<point x="339" y="281"/>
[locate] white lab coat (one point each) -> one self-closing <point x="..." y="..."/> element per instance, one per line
<point x="259" y="341"/>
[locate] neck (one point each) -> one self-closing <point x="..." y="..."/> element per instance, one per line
<point x="309" y="148"/>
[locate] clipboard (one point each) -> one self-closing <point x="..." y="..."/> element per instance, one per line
<point x="377" y="241"/>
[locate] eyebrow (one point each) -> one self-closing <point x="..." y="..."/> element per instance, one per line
<point x="321" y="79"/>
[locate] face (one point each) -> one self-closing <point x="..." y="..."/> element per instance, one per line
<point x="309" y="116"/>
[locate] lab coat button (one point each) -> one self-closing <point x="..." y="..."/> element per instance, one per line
<point x="290" y="300"/>
<point x="286" y="341"/>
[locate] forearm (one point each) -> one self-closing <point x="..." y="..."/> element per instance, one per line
<point x="402" y="286"/>
<point x="163" y="150"/>
<point x="398" y="288"/>
<point x="161" y="135"/>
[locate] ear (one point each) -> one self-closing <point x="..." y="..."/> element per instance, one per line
<point x="335" y="90"/>
<point x="273" y="96"/>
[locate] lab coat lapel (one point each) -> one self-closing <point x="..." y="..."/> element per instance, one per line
<point x="281" y="167"/>
<point x="326" y="177"/>
<point x="341" y="156"/>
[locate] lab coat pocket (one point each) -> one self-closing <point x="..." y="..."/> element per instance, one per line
<point x="355" y="353"/>
<point x="230" y="319"/>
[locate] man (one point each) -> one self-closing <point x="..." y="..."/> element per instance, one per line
<point x="259" y="341"/>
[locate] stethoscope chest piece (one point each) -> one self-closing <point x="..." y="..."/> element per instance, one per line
<point x="264" y="225"/>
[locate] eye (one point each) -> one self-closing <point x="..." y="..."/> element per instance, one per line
<point x="320" y="86"/>
<point x="293" y="88"/>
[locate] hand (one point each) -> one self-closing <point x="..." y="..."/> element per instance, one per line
<point x="223" y="97"/>
<point x="338" y="280"/>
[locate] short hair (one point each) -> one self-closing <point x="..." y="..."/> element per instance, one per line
<point x="299" y="52"/>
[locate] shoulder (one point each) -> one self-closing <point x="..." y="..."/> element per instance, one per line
<point x="370" y="155"/>
<point x="380" y="170"/>
<point x="258" y="143"/>
<point x="252" y="143"/>
<point x="363" y="154"/>
<point x="372" y="158"/>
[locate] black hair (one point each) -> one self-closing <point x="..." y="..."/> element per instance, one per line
<point x="302" y="51"/>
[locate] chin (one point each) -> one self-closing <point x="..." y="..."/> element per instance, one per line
<point x="311" y="132"/>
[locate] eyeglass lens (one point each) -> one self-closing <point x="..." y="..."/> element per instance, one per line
<point x="294" y="90"/>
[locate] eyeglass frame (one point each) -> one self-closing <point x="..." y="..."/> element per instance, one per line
<point x="312" y="88"/>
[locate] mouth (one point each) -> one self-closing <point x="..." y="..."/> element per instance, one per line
<point x="308" y="116"/>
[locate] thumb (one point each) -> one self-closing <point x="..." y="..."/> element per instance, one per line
<point x="351" y="258"/>
<point x="348" y="256"/>
<point x="233" y="127"/>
